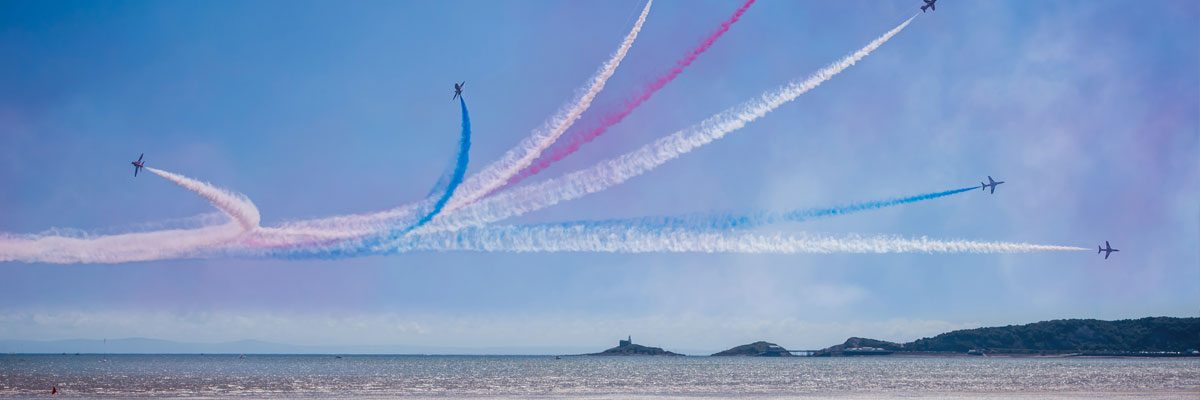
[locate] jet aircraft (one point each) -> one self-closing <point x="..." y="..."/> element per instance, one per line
<point x="991" y="183"/>
<point x="930" y="5"/>
<point x="458" y="87"/>
<point x="137" y="165"/>
<point x="1107" y="249"/>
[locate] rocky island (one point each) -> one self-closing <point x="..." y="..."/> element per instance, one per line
<point x="627" y="348"/>
<point x="756" y="349"/>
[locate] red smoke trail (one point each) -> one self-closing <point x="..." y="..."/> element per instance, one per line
<point x="576" y="141"/>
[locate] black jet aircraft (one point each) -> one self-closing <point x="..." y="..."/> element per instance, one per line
<point x="991" y="184"/>
<point x="930" y="5"/>
<point x="458" y="87"/>
<point x="1107" y="249"/>
<point x="137" y="165"/>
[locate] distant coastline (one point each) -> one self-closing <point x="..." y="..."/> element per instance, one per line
<point x="1145" y="337"/>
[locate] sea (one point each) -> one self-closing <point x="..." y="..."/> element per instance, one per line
<point x="502" y="377"/>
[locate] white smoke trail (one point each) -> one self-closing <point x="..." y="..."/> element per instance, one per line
<point x="497" y="173"/>
<point x="112" y="249"/>
<point x="235" y="205"/>
<point x="606" y="174"/>
<point x="356" y="224"/>
<point x="54" y="247"/>
<point x="585" y="238"/>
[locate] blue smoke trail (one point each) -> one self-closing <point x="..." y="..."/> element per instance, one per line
<point x="460" y="170"/>
<point x="387" y="243"/>
<point x="365" y="244"/>
<point x="708" y="221"/>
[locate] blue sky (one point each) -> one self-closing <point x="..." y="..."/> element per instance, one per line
<point x="1089" y="109"/>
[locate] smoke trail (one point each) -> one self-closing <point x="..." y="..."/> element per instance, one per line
<point x="574" y="142"/>
<point x="632" y="239"/>
<point x="323" y="246"/>
<point x="363" y="228"/>
<point x="521" y="200"/>
<point x="530" y="148"/>
<point x="709" y="221"/>
<point x="343" y="237"/>
<point x="460" y="167"/>
<point x="111" y="249"/>
<point x="235" y="205"/>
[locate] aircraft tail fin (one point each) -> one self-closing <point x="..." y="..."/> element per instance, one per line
<point x="924" y="7"/>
